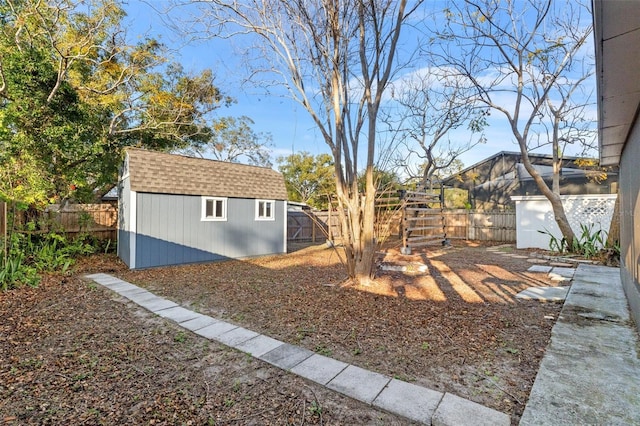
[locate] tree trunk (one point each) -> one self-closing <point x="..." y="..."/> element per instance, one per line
<point x="357" y="216"/>
<point x="553" y="197"/>
<point x="561" y="220"/>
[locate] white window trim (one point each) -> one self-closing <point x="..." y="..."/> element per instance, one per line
<point x="203" y="215"/>
<point x="273" y="210"/>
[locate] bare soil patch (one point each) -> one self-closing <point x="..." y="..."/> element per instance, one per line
<point x="71" y="351"/>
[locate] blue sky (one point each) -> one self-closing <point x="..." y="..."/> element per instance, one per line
<point x="276" y="114"/>
<point x="288" y="123"/>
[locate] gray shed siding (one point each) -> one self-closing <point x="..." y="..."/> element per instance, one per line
<point x="170" y="231"/>
<point x="630" y="221"/>
<point x="124" y="213"/>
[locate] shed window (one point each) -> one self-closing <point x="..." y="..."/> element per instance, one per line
<point x="214" y="208"/>
<point x="265" y="210"/>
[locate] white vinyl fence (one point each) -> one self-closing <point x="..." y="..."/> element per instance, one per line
<point x="534" y="213"/>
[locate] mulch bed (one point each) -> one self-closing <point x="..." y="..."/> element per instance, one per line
<point x="73" y="352"/>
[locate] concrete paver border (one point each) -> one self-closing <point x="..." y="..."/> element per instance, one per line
<point x="413" y="402"/>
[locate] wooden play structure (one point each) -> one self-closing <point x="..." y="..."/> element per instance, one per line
<point x="423" y="220"/>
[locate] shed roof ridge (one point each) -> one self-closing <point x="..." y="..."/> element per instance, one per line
<point x="165" y="173"/>
<point x="189" y="157"/>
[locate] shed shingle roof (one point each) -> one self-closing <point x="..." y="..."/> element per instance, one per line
<point x="157" y="172"/>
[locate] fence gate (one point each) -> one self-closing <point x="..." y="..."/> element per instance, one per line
<point x="423" y="220"/>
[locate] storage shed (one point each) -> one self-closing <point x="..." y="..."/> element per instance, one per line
<point x="175" y="210"/>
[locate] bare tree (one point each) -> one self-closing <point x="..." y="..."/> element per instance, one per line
<point x="336" y="58"/>
<point x="527" y="60"/>
<point x="430" y="104"/>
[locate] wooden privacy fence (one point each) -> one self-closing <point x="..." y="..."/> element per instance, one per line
<point x="480" y="225"/>
<point x="98" y="220"/>
<point x="492" y="226"/>
<point x="312" y="226"/>
<point x="459" y="224"/>
<point x="476" y="225"/>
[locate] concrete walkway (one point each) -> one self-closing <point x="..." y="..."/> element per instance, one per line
<point x="590" y="373"/>
<point x="413" y="402"/>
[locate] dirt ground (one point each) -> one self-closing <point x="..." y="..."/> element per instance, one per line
<point x="72" y="352"/>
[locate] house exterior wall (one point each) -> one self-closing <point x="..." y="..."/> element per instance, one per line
<point x="492" y="183"/>
<point x="496" y="195"/>
<point x="630" y="220"/>
<point x="170" y="231"/>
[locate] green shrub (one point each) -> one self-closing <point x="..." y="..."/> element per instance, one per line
<point x="30" y="253"/>
<point x="14" y="273"/>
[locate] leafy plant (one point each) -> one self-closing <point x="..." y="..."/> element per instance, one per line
<point x="14" y="273"/>
<point x="323" y="350"/>
<point x="180" y="337"/>
<point x="589" y="243"/>
<point x="31" y="251"/>
<point x="315" y="408"/>
<point x="51" y="258"/>
<point x="555" y="244"/>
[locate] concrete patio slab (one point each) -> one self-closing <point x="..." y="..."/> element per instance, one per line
<point x="197" y="323"/>
<point x="590" y="373"/>
<point x="140" y="296"/>
<point x="358" y="383"/>
<point x="456" y="411"/>
<point x="286" y="356"/>
<point x="132" y="291"/>
<point x="110" y="283"/>
<point x="540" y="268"/>
<point x="214" y="330"/>
<point x="319" y="368"/>
<point x="120" y="287"/>
<point x="544" y="294"/>
<point x="563" y="272"/>
<point x="236" y="336"/>
<point x="413" y="402"/>
<point x="259" y="345"/>
<point x="99" y="276"/>
<point x="178" y="314"/>
<point x="561" y="264"/>
<point x="157" y="304"/>
<point x="104" y="279"/>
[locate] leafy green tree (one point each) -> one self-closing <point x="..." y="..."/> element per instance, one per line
<point x="385" y="181"/>
<point x="309" y="178"/>
<point x="74" y="93"/>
